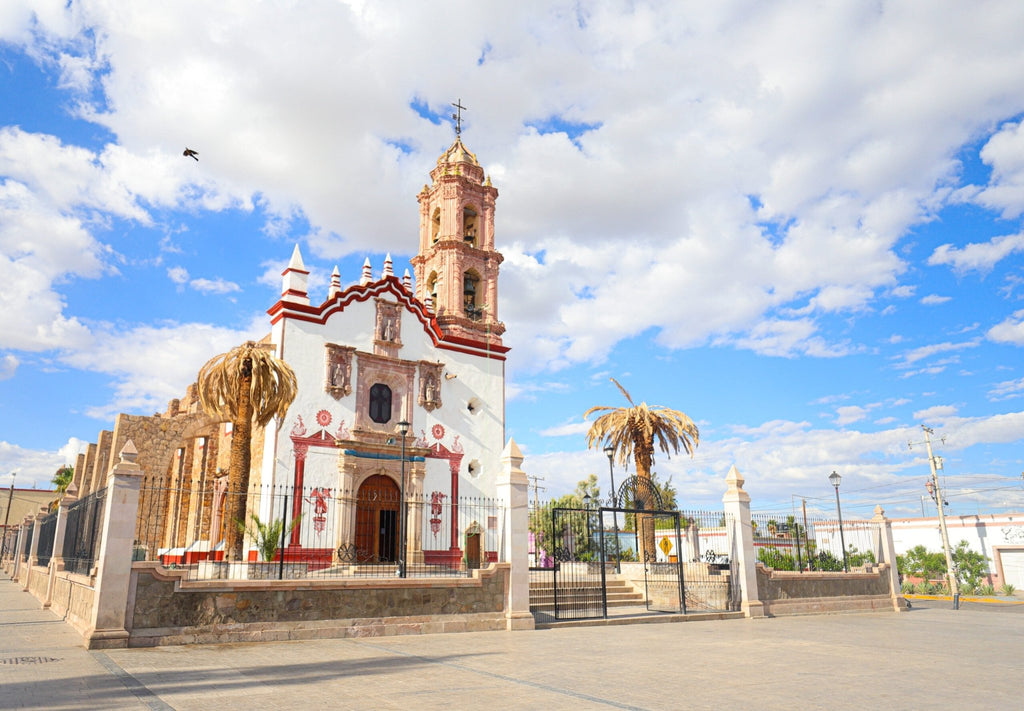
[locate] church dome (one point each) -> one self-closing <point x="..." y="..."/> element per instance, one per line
<point x="458" y="153"/>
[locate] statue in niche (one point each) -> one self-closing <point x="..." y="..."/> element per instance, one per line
<point x="430" y="385"/>
<point x="339" y="371"/>
<point x="388" y="325"/>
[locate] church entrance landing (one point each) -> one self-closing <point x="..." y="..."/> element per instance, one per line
<point x="377" y="515"/>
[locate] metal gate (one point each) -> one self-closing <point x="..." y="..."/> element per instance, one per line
<point x="685" y="562"/>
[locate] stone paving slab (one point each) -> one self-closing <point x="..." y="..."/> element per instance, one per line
<point x="910" y="660"/>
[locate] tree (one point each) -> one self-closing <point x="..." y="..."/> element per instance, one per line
<point x="971" y="566"/>
<point x="920" y="563"/>
<point x="267" y="535"/>
<point x="245" y="385"/>
<point x="61" y="480"/>
<point x="633" y="432"/>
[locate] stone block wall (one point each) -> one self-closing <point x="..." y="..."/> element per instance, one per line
<point x="73" y="599"/>
<point x="793" y="593"/>
<point x="164" y="609"/>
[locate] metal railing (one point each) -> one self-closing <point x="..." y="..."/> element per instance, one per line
<point x="82" y="532"/>
<point x="316" y="532"/>
<point x="47" y="529"/>
<point x="787" y="542"/>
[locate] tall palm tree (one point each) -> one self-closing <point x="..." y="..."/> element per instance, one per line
<point x="632" y="432"/>
<point x="244" y="385"/>
<point x="62" y="479"/>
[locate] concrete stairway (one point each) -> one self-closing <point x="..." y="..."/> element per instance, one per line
<point x="621" y="594"/>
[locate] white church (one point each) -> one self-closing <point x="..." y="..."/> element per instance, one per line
<point x="394" y="378"/>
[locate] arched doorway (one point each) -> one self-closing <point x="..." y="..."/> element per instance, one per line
<point x="377" y="520"/>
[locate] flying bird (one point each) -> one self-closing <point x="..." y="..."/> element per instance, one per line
<point x="191" y="154"/>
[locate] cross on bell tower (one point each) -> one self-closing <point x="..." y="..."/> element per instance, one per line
<point x="457" y="265"/>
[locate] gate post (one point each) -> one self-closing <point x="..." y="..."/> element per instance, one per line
<point x="114" y="562"/>
<point x="737" y="509"/>
<point x="513" y="489"/>
<point x="887" y="555"/>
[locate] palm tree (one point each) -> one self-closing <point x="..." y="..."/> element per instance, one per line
<point x="62" y="479"/>
<point x="245" y="384"/>
<point x="632" y="432"/>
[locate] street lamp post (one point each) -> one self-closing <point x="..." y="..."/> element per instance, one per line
<point x="586" y="505"/>
<point x="403" y="429"/>
<point x="610" y="452"/>
<point x="834" y="478"/>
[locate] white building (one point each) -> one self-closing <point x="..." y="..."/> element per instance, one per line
<point x="381" y="353"/>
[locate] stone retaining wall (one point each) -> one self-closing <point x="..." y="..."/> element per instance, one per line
<point x="73" y="599"/>
<point x="795" y="593"/>
<point x="166" y="609"/>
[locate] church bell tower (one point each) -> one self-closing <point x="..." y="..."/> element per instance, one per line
<point x="457" y="265"/>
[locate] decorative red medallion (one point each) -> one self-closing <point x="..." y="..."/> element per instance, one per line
<point x="437" y="431"/>
<point x="323" y="418"/>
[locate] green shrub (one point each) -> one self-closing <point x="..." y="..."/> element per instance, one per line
<point x="776" y="559"/>
<point x="907" y="587"/>
<point x="925" y="588"/>
<point x="986" y="590"/>
<point x="1007" y="589"/>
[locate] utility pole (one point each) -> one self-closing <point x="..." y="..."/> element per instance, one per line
<point x="950" y="572"/>
<point x="7" y="515"/>
<point x="536" y="512"/>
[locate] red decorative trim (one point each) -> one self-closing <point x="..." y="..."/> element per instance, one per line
<point x="359" y="293"/>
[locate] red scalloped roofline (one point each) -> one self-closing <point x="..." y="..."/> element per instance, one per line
<point x="363" y="292"/>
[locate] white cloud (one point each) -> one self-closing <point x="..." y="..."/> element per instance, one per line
<point x="179" y="275"/>
<point x="566" y="428"/>
<point x="1006" y="390"/>
<point x="935" y="414"/>
<point x="8" y="366"/>
<point x="979" y="257"/>
<point x="1010" y="330"/>
<point x="924" y="352"/>
<point x="214" y="286"/>
<point x="153" y="364"/>
<point x="935" y="299"/>
<point x="1005" y="190"/>
<point x="849" y="414"/>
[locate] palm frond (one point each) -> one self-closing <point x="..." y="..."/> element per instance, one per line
<point x="272" y="388"/>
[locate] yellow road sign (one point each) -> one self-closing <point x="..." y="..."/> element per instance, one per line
<point x="665" y="545"/>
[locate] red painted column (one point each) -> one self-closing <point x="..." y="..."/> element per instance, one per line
<point x="300" y="470"/>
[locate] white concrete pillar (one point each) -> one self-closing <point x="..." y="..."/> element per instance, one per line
<point x="57" y="559"/>
<point x="114" y="562"/>
<point x="512" y="489"/>
<point x="887" y="554"/>
<point x="737" y="510"/>
<point x="33" y="552"/>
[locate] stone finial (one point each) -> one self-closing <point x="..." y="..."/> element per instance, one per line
<point x="428" y="302"/>
<point x="512" y="452"/>
<point x="734" y="483"/>
<point x="72" y="491"/>
<point x="367" y="276"/>
<point x="335" y="283"/>
<point x="295" y="280"/>
<point x="128" y="453"/>
<point x="388" y="266"/>
<point x="407" y="281"/>
<point x="879" y="513"/>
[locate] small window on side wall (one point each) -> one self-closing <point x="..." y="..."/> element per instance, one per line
<point x="380" y="403"/>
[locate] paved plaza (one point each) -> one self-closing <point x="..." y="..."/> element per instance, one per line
<point x="929" y="657"/>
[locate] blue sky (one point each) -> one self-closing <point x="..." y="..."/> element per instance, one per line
<point x="800" y="224"/>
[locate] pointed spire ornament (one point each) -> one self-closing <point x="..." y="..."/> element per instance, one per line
<point x="295" y="279"/>
<point x="388" y="267"/>
<point x="407" y="281"/>
<point x="335" y="283"/>
<point x="367" y="276"/>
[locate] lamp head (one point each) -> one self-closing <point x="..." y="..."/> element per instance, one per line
<point x="609" y="451"/>
<point x="403" y="428"/>
<point x="834" y="479"/>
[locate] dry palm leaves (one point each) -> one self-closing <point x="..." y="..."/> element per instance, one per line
<point x="272" y="389"/>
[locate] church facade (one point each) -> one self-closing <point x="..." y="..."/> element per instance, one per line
<point x="400" y="391"/>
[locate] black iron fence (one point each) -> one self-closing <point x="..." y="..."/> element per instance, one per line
<point x="787" y="542"/>
<point x="47" y="529"/>
<point x="10" y="542"/>
<point x="26" y="543"/>
<point x="82" y="532"/>
<point x="316" y="532"/>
